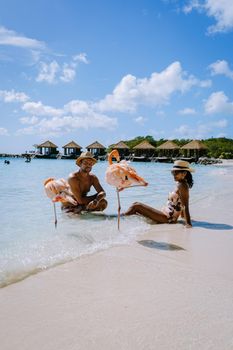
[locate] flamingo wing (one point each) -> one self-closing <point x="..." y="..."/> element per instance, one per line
<point x="58" y="191"/>
<point x="64" y="198"/>
<point x="121" y="175"/>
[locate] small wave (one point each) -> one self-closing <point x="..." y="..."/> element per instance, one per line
<point x="68" y="244"/>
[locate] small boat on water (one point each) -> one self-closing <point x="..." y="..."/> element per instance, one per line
<point x="163" y="159"/>
<point x="140" y="159"/>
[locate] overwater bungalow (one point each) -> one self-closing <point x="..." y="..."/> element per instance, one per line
<point x="122" y="148"/>
<point x="144" y="151"/>
<point x="167" y="151"/>
<point x="96" y="149"/>
<point x="47" y="150"/>
<point x="193" y="150"/>
<point x="71" y="150"/>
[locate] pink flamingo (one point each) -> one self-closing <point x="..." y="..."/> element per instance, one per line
<point x="122" y="176"/>
<point x="58" y="191"/>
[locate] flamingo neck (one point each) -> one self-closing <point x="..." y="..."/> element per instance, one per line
<point x="114" y="154"/>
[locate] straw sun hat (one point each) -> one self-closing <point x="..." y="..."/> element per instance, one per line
<point x="85" y="155"/>
<point x="182" y="165"/>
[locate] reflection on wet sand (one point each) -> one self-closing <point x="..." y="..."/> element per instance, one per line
<point x="211" y="225"/>
<point x="159" y="245"/>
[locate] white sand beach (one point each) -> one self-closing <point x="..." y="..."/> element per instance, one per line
<point x="171" y="289"/>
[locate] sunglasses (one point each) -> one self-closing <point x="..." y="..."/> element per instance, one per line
<point x="176" y="171"/>
<point x="88" y="162"/>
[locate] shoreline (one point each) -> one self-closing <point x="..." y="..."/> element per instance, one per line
<point x="169" y="289"/>
<point x="147" y="295"/>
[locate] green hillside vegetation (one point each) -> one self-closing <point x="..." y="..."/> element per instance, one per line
<point x="220" y="147"/>
<point x="217" y="147"/>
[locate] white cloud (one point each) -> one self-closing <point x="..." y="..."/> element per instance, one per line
<point x="192" y="4"/>
<point x="54" y="72"/>
<point x="75" y="115"/>
<point x="77" y="107"/>
<point x="160" y="113"/>
<point x="11" y="38"/>
<point x="155" y="90"/>
<point x="48" y="72"/>
<point x="30" y="130"/>
<point x="221" y="67"/>
<point x="84" y="115"/>
<point x="221" y="10"/>
<point x="201" y="131"/>
<point x="218" y="102"/>
<point x="204" y="83"/>
<point x="183" y="131"/>
<point x="29" y="120"/>
<point x="187" y="111"/>
<point x="36" y="56"/>
<point x="140" y="120"/>
<point x="38" y="109"/>
<point x="68" y="73"/>
<point x="12" y="96"/>
<point x="62" y="125"/>
<point x="187" y="132"/>
<point x="222" y="123"/>
<point x="82" y="57"/>
<point x="3" y="132"/>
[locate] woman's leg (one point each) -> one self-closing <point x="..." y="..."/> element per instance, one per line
<point x="147" y="211"/>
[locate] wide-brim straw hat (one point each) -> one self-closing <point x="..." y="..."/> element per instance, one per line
<point x="85" y="155"/>
<point x="182" y="165"/>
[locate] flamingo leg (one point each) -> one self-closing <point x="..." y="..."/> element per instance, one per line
<point x="119" y="209"/>
<point x="55" y="215"/>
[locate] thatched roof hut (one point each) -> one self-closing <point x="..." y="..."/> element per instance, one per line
<point x="194" y="148"/>
<point x="168" y="149"/>
<point x="120" y="145"/>
<point x="47" y="144"/>
<point x="195" y="144"/>
<point x="47" y="148"/>
<point x="96" y="148"/>
<point x="72" y="149"/>
<point x="144" y="148"/>
<point x="122" y="148"/>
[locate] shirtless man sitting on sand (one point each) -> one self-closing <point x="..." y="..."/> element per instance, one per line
<point x="80" y="183"/>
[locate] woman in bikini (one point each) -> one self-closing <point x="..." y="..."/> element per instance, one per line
<point x="178" y="200"/>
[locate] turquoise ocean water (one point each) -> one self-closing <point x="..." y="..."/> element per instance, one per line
<point x="29" y="241"/>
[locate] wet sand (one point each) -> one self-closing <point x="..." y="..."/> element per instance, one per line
<point x="170" y="289"/>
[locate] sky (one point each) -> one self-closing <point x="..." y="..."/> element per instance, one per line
<point x="111" y="70"/>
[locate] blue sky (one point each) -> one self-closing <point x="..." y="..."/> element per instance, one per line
<point x="113" y="70"/>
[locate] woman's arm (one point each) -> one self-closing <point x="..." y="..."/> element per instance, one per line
<point x="184" y="197"/>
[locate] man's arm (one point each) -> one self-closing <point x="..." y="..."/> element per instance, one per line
<point x="99" y="195"/>
<point x="99" y="189"/>
<point x="76" y="190"/>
